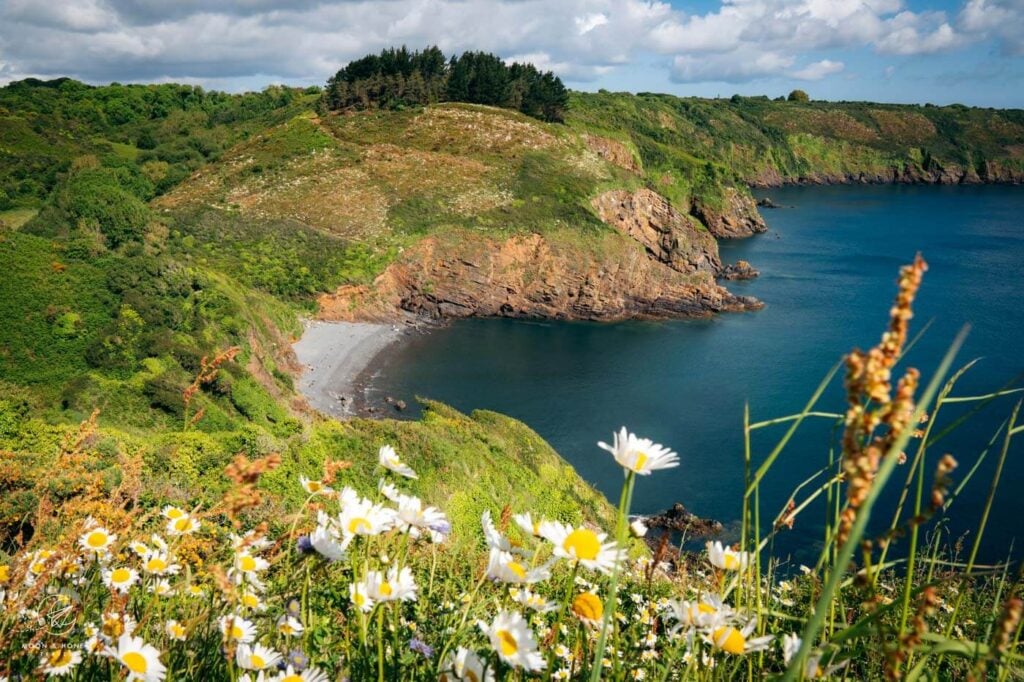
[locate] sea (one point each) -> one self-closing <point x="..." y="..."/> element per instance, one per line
<point x="828" y="264"/>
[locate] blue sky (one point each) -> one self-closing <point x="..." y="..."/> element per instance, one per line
<point x="940" y="51"/>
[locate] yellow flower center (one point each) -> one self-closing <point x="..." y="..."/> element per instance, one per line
<point x="5" y="573"/>
<point x="507" y="643"/>
<point x="251" y="600"/>
<point x="247" y="563"/>
<point x="518" y="569"/>
<point x="358" y="525"/>
<point x="385" y="589"/>
<point x="359" y="598"/>
<point x="640" y="461"/>
<point x="120" y="575"/>
<point x="314" y="486"/>
<point x="730" y="640"/>
<point x="583" y="544"/>
<point x="587" y="606"/>
<point x="182" y="524"/>
<point x="38" y="567"/>
<point x="731" y="562"/>
<point x="175" y="513"/>
<point x="237" y="632"/>
<point x="96" y="539"/>
<point x="59" y="657"/>
<point x="257" y="661"/>
<point x="135" y="662"/>
<point x="156" y="564"/>
<point x="705" y="608"/>
<point x="292" y="678"/>
<point x="113" y="628"/>
<point x="178" y="630"/>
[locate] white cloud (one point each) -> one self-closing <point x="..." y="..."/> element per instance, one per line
<point x="732" y="67"/>
<point x="818" y="70"/>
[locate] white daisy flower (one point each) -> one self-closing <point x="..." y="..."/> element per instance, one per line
<point x="725" y="558"/>
<point x="363" y="517"/>
<point x="529" y="525"/>
<point x="397" y="585"/>
<point x="388" y="490"/>
<point x="514" y="643"/>
<point x="583" y="545"/>
<point x="250" y="541"/>
<point x="703" y="612"/>
<point x="639" y="455"/>
<point x="813" y="669"/>
<point x="507" y="568"/>
<point x="310" y="674"/>
<point x="463" y="665"/>
<point x="140" y="659"/>
<point x="247" y="567"/>
<point x="314" y="487"/>
<point x="638" y="528"/>
<point x="97" y="540"/>
<point x="251" y="600"/>
<point x="140" y="548"/>
<point x="60" y="662"/>
<point x="324" y="540"/>
<point x="390" y="460"/>
<point x="120" y="579"/>
<point x="114" y="625"/>
<point x="532" y="600"/>
<point x="256" y="657"/>
<point x="159" y="563"/>
<point x="161" y="588"/>
<point x="289" y="626"/>
<point x="182" y="525"/>
<point x="737" y="641"/>
<point x="413" y="518"/>
<point x="175" y="630"/>
<point x="171" y="512"/>
<point x="361" y="600"/>
<point x="237" y="629"/>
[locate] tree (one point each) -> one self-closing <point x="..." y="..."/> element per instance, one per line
<point x="799" y="96"/>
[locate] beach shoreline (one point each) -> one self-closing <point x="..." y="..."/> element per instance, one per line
<point x="335" y="357"/>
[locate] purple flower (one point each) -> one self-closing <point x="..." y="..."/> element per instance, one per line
<point x="442" y="527"/>
<point x="304" y="545"/>
<point x="296" y="659"/>
<point x="421" y="647"/>
<point x="294" y="608"/>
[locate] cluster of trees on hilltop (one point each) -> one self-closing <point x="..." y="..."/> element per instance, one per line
<point x="397" y="77"/>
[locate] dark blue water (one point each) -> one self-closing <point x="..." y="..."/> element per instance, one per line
<point x="828" y="265"/>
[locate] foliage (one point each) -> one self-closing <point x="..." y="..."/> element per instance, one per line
<point x="798" y="96"/>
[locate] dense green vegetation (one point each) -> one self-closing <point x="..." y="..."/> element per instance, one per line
<point x="398" y="78"/>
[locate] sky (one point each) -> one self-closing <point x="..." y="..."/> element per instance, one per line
<point x="915" y="51"/>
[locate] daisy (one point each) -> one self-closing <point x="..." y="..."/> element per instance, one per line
<point x="494" y="538"/>
<point x="737" y="641"/>
<point x="142" y="660"/>
<point x="324" y="541"/>
<point x="249" y="540"/>
<point x="120" y="579"/>
<point x="725" y="558"/>
<point x="194" y="591"/>
<point x="96" y="540"/>
<point x="389" y="460"/>
<point x="237" y="629"/>
<point x="388" y="490"/>
<point x="311" y="674"/>
<point x="140" y="548"/>
<point x="59" y="662"/>
<point x="289" y="626"/>
<point x="413" y="518"/>
<point x="247" y="567"/>
<point x="397" y="585"/>
<point x="114" y="625"/>
<point x="703" y="612"/>
<point x="514" y="643"/>
<point x="256" y="657"/>
<point x="362" y="601"/>
<point x="588" y="608"/>
<point x="505" y="567"/>
<point x="582" y="545"/>
<point x="639" y="455"/>
<point x="314" y="487"/>
<point x="175" y="630"/>
<point x="251" y="600"/>
<point x="532" y="600"/>
<point x="528" y="523"/>
<point x="159" y="563"/>
<point x="183" y="525"/>
<point x="161" y="588"/>
<point x="464" y="665"/>
<point x="363" y="517"/>
<point x="171" y="512"/>
<point x="812" y="667"/>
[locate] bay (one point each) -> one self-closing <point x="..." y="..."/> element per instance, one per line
<point x="829" y="263"/>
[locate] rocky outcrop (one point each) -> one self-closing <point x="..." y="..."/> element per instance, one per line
<point x="734" y="216"/>
<point x="935" y="173"/>
<point x="670" y="237"/>
<point x="613" y="151"/>
<point x="532" y="276"/>
<point x="741" y="269"/>
<point x="679" y="519"/>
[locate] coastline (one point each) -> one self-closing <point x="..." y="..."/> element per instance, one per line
<point x="335" y="357"/>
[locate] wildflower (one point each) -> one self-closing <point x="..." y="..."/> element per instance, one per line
<point x="388" y="490"/>
<point x="725" y="558"/>
<point x="249" y="540"/>
<point x="398" y="585"/>
<point x="413" y="518"/>
<point x="307" y="675"/>
<point x="194" y="591"/>
<point x="737" y="641"/>
<point x="255" y="657"/>
<point x="563" y="652"/>
<point x="97" y="540"/>
<point x="588" y="608"/>
<point x="289" y="626"/>
<point x="532" y="600"/>
<point x="114" y="625"/>
<point x="363" y="517"/>
<point x="702" y="612"/>
<point x="161" y="588"/>
<point x="562" y="674"/>
<point x="247" y="567"/>
<point x="120" y="579"/>
<point x="251" y="600"/>
<point x="142" y="660"/>
<point x="296" y="660"/>
<point x="314" y="487"/>
<point x="362" y="601"/>
<point x="639" y="455"/>
<point x="514" y="643"/>
<point x="506" y="568"/>
<point x="582" y="545"/>
<point x="171" y="512"/>
<point x="812" y="667"/>
<point x="237" y="629"/>
<point x="140" y="548"/>
<point x="389" y="460"/>
<point x="494" y="538"/>
<point x="175" y="630"/>
<point x="60" y="662"/>
<point x="421" y="647"/>
<point x="528" y="523"/>
<point x="159" y="563"/>
<point x="638" y="528"/>
<point x="326" y="544"/>
<point x="183" y="525"/>
<point x="293" y="608"/>
<point x="465" y="666"/>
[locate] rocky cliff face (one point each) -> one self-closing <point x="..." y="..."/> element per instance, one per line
<point x="670" y="237"/>
<point x="936" y="173"/>
<point x="532" y="276"/>
<point x="735" y="217"/>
